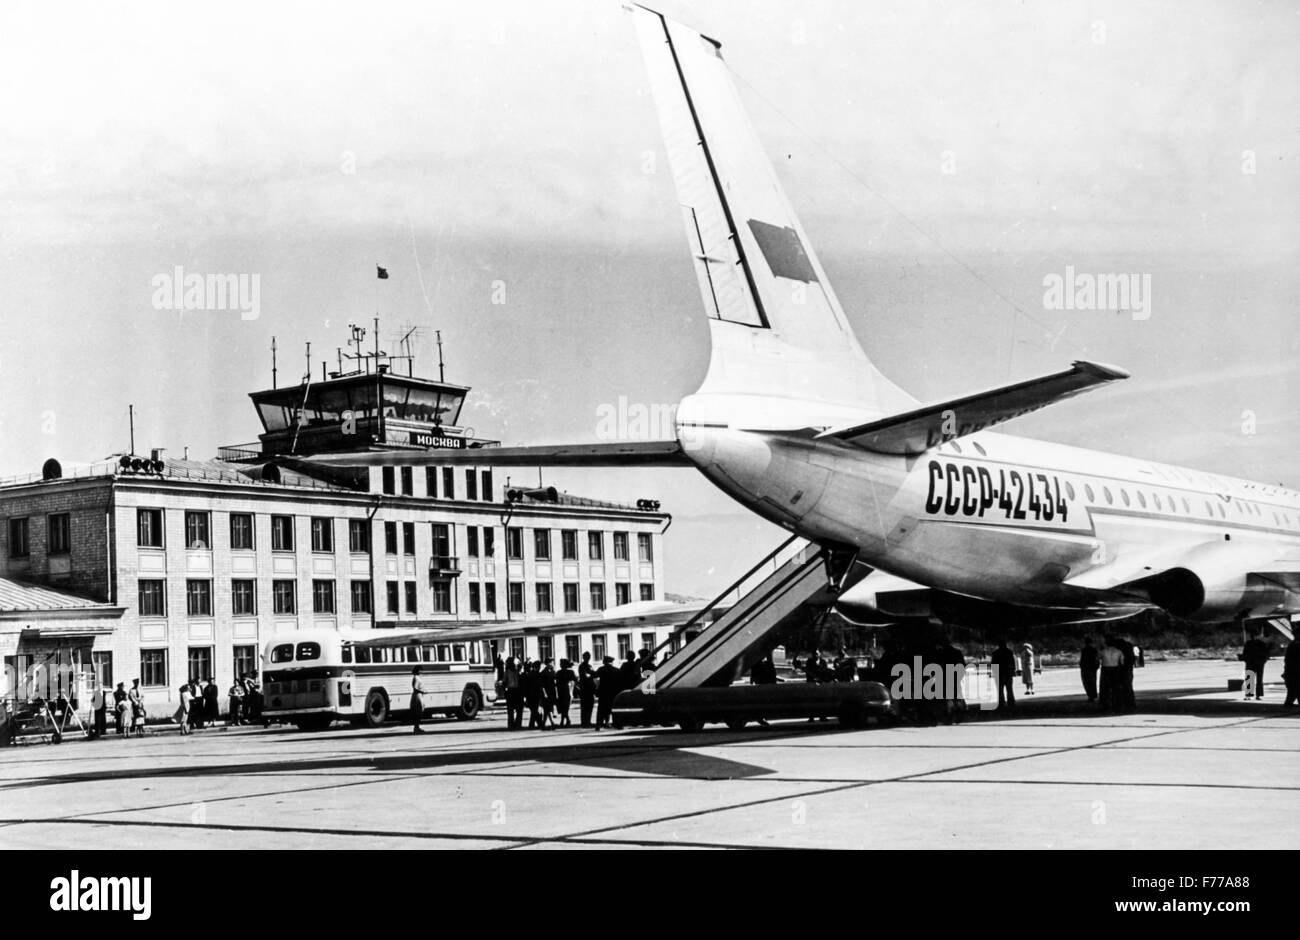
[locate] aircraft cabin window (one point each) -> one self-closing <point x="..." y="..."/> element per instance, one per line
<point x="1222" y="514"/>
<point x="1209" y="510"/>
<point x="1156" y="497"/>
<point x="1110" y="500"/>
<point x="1069" y="490"/>
<point x="1123" y="494"/>
<point x="1187" y="506"/>
<point x="1092" y="497"/>
<point x="981" y="450"/>
<point x="1142" y="500"/>
<point x="956" y="447"/>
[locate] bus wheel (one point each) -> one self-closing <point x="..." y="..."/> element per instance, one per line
<point x="376" y="708"/>
<point x="736" y="724"/>
<point x="691" y="724"/>
<point x="469" y="704"/>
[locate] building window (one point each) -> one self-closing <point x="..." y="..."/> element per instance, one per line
<point x="647" y="592"/>
<point x="517" y="647"/>
<point x="102" y="664"/>
<point x="545" y="648"/>
<point x="59" y="534"/>
<point x="390" y="484"/>
<point x="515" y="597"/>
<point x="241" y="531"/>
<point x="322" y="597"/>
<point x="358" y="537"/>
<point x="645" y="547"/>
<point x="441" y="540"/>
<point x="390" y="538"/>
<point x="408" y="538"/>
<point x="198" y="597"/>
<point x="245" y="659"/>
<point x="486" y="489"/>
<point x="598" y="646"/>
<point x="153" y="598"/>
<point x="149" y="529"/>
<point x="596" y="546"/>
<point x="200" y="663"/>
<point x="542" y="544"/>
<point x="571" y="598"/>
<point x="514" y="542"/>
<point x="322" y="534"/>
<point x="408" y="483"/>
<point x="431" y="482"/>
<point x="19" y="538"/>
<point x="394" y="598"/>
<point x="543" y="592"/>
<point x="441" y="597"/>
<point x="410" y="597"/>
<point x="475" y="601"/>
<point x="597" y="596"/>
<point x="622" y="594"/>
<point x="196" y="530"/>
<point x="620" y="547"/>
<point x="153" y="668"/>
<point x="284" y="596"/>
<point x="648" y="642"/>
<point x="243" y="598"/>
<point x="569" y="544"/>
<point x="448" y="483"/>
<point x="624" y="645"/>
<point x="489" y="542"/>
<point x="489" y="598"/>
<point x="471" y="483"/>
<point x="282" y="533"/>
<point x="471" y="541"/>
<point x="361" y="597"/>
<point x="572" y="648"/>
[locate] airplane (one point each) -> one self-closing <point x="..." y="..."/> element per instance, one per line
<point x="955" y="522"/>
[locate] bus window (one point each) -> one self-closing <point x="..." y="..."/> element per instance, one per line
<point x="308" y="651"/>
<point x="475" y="654"/>
<point x="398" y="654"/>
<point x="443" y="653"/>
<point x="412" y="654"/>
<point x="347" y="652"/>
<point x="458" y="653"/>
<point x="282" y="653"/>
<point x="363" y="654"/>
<point x="426" y="654"/>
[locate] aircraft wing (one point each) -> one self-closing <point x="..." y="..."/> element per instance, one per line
<point x="604" y="454"/>
<point x="915" y="432"/>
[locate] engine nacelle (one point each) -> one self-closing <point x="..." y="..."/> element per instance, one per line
<point x="1214" y="584"/>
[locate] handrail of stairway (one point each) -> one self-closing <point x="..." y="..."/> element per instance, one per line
<point x="735" y="585"/>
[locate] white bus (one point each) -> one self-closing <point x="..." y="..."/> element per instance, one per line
<point x="315" y="677"/>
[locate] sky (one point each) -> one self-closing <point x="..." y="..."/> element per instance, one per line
<point x="503" y="161"/>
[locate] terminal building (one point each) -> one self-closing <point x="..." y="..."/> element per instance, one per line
<point x="164" y="569"/>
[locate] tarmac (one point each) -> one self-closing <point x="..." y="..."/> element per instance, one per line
<point x="1195" y="767"/>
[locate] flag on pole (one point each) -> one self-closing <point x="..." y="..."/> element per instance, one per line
<point x="383" y="273"/>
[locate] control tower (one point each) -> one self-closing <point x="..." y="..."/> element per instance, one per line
<point x="371" y="407"/>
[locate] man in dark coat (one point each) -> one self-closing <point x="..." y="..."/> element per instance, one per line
<point x="608" y="684"/>
<point x="211" y="707"/>
<point x="1291" y="672"/>
<point x="1004" y="666"/>
<point x="1255" y="655"/>
<point x="629" y="672"/>
<point x="1088" y="665"/>
<point x="565" y="680"/>
<point x="586" y="689"/>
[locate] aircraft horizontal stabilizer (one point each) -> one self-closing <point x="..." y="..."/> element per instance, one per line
<point x="604" y="454"/>
<point x="915" y="432"/>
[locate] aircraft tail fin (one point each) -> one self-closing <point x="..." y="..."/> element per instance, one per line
<point x="776" y="326"/>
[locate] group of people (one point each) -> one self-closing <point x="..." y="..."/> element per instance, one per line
<point x="1116" y="661"/>
<point x="200" y="704"/>
<point x="843" y="668"/>
<point x="548" y="693"/>
<point x="126" y="705"/>
<point x="1255" y="655"/>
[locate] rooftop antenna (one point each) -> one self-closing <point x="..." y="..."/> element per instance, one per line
<point x="308" y="376"/>
<point x="273" y="368"/>
<point x="130" y="410"/>
<point x="441" y="370"/>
